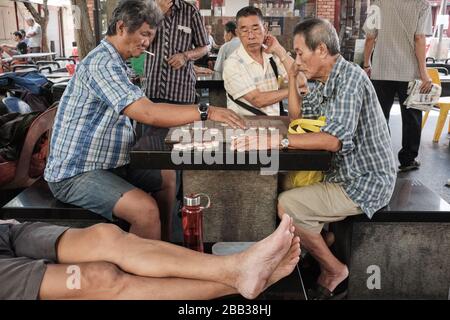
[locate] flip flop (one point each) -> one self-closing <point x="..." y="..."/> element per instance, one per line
<point x="321" y="293"/>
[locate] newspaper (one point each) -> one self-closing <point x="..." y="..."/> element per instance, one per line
<point x="422" y="101"/>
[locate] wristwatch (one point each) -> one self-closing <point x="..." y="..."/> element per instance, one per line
<point x="284" y="143"/>
<point x="203" y="110"/>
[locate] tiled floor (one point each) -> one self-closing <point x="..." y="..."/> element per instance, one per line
<point x="434" y="157"/>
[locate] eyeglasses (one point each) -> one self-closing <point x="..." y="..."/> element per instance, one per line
<point x="255" y="30"/>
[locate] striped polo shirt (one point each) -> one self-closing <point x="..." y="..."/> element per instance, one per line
<point x="242" y="74"/>
<point x="180" y="32"/>
<point x="365" y="165"/>
<point x="90" y="130"/>
<point x="394" y="57"/>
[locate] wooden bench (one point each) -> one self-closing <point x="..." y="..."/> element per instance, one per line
<point x="403" y="252"/>
<point x="36" y="203"/>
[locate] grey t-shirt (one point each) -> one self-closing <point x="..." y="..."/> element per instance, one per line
<point x="394" y="57"/>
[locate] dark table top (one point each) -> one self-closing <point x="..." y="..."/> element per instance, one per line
<point x="152" y="153"/>
<point x="210" y="81"/>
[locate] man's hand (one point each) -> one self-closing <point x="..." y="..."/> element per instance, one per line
<point x="273" y="46"/>
<point x="427" y="84"/>
<point x="177" y="61"/>
<point x="368" y="70"/>
<point x="300" y="79"/>
<point x="164" y="5"/>
<point x="201" y="70"/>
<point x="256" y="142"/>
<point x="227" y="116"/>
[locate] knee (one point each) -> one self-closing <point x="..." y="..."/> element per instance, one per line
<point x="102" y="277"/>
<point x="169" y="179"/>
<point x="282" y="200"/>
<point x="107" y="232"/>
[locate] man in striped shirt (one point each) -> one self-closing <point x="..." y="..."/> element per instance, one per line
<point x="93" y="134"/>
<point x="362" y="175"/>
<point x="181" y="39"/>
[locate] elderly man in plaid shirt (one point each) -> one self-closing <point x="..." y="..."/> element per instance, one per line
<point x="362" y="176"/>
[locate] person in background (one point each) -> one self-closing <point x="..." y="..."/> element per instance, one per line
<point x="232" y="42"/>
<point x="24" y="37"/>
<point x="249" y="72"/>
<point x="34" y="35"/>
<point x="19" y="48"/>
<point x="8" y="50"/>
<point x="212" y="43"/>
<point x="398" y="58"/>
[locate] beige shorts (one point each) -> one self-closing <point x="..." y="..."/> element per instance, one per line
<point x="313" y="206"/>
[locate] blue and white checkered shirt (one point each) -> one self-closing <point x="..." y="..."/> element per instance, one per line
<point x="365" y="165"/>
<point x="90" y="131"/>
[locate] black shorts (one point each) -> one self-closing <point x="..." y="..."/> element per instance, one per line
<point x="25" y="251"/>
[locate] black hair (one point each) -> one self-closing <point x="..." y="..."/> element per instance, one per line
<point x="248" y="12"/>
<point x="230" y="26"/>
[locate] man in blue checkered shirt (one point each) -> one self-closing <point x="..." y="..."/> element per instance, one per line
<point x="93" y="133"/>
<point x="362" y="175"/>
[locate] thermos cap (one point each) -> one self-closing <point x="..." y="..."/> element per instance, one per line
<point x="192" y="200"/>
<point x="195" y="200"/>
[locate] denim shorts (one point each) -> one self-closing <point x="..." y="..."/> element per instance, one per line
<point x="99" y="190"/>
<point x="25" y="251"/>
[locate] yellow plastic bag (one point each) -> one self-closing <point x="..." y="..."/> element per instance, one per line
<point x="297" y="179"/>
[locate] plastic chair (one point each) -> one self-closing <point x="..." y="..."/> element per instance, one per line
<point x="42" y="124"/>
<point x="14" y="104"/>
<point x="443" y="105"/>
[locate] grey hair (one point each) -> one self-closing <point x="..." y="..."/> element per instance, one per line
<point x="134" y="13"/>
<point x="317" y="31"/>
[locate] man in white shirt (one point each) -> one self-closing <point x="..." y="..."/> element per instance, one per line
<point x="249" y="73"/>
<point x="34" y="34"/>
<point x="212" y="43"/>
<point x="232" y="42"/>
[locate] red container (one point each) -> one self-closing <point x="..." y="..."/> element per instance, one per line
<point x="192" y="221"/>
<point x="70" y="69"/>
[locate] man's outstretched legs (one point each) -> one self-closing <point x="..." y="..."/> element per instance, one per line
<point x="247" y="273"/>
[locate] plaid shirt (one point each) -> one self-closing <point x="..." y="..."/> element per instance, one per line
<point x="177" y="33"/>
<point x="365" y="165"/>
<point x="90" y="131"/>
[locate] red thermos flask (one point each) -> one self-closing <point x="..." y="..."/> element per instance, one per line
<point x="192" y="221"/>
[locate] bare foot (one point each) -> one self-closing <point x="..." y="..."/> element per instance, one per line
<point x="332" y="280"/>
<point x="259" y="262"/>
<point x="287" y="265"/>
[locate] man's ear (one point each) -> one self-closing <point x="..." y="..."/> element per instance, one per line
<point x="120" y="27"/>
<point x="323" y="50"/>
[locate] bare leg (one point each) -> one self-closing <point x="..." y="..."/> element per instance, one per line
<point x="333" y="271"/>
<point x="102" y="280"/>
<point x="165" y="199"/>
<point x="141" y="211"/>
<point x="249" y="271"/>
